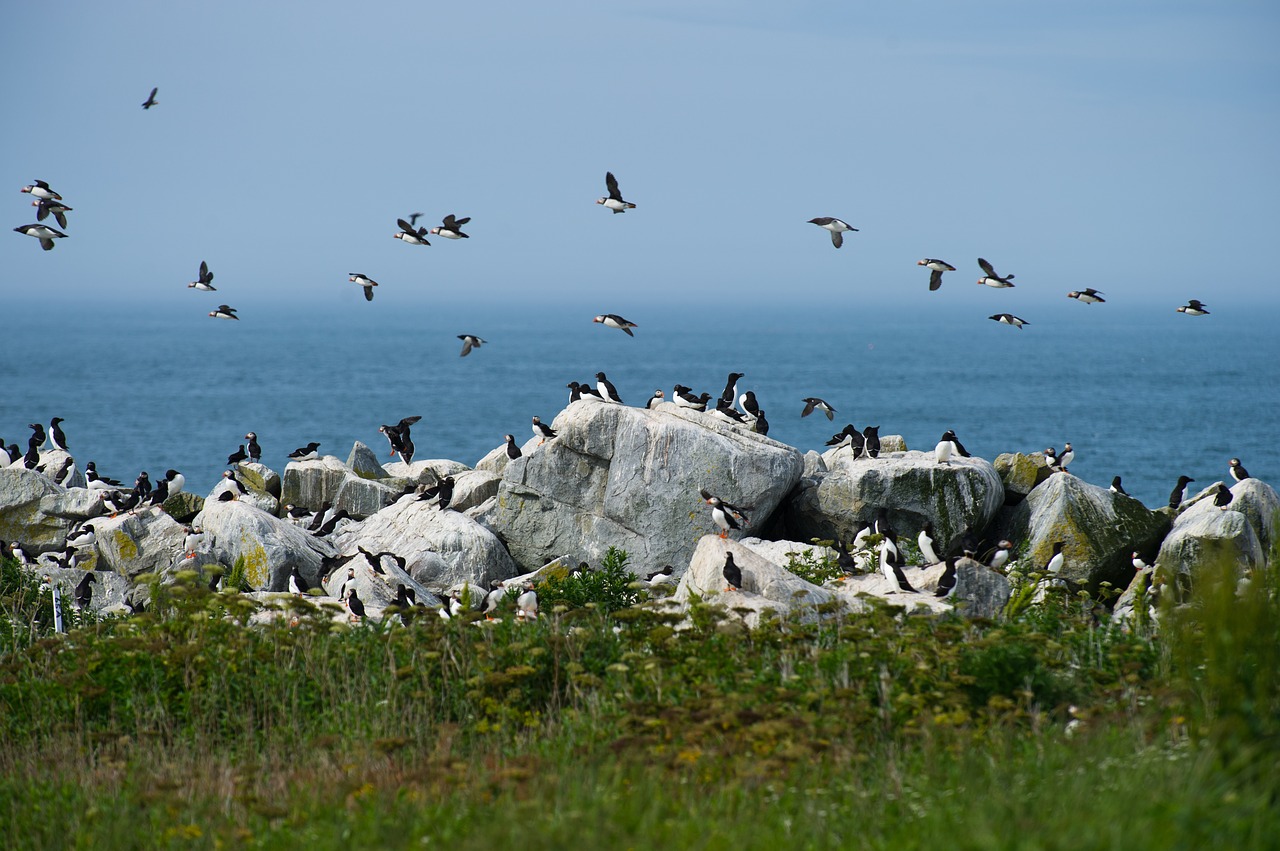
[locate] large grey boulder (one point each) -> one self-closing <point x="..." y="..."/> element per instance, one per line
<point x="256" y="498"/>
<point x="496" y="460"/>
<point x="766" y="585"/>
<point x="629" y="478"/>
<point x="912" y="486"/>
<point x="364" y="463"/>
<point x="980" y="592"/>
<point x="1100" y="529"/>
<point x="270" y="547"/>
<point x="310" y="484"/>
<point x="1260" y="504"/>
<point x="51" y="461"/>
<point x="184" y="506"/>
<point x="106" y="592"/>
<point x="376" y="590"/>
<point x="426" y="471"/>
<point x="1020" y="474"/>
<point x="440" y="547"/>
<point x="259" y="477"/>
<point x="362" y="497"/>
<point x="1205" y="535"/>
<point x="473" y="487"/>
<point x="38" y="513"/>
<point x="133" y="543"/>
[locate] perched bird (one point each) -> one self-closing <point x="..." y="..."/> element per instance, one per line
<point x="732" y="574"/>
<point x="151" y="99"/>
<point x="542" y="431"/>
<point x="749" y="405"/>
<point x="1194" y="307"/>
<point x="856" y="441"/>
<point x="45" y="206"/>
<point x="160" y="493"/>
<point x="84" y="591"/>
<point x="724" y="514"/>
<point x="142" y="485"/>
<point x="1051" y="459"/>
<point x="925" y="541"/>
<point x="871" y="441"/>
<point x="836" y="227"/>
<point x="1222" y="496"/>
<point x="1088" y="295"/>
<point x="1138" y="563"/>
<point x="947" y="584"/>
<point x="1067" y="456"/>
<point x="991" y="279"/>
<point x="614" y="199"/>
<point x="655" y="400"/>
<point x="355" y="605"/>
<point x="44" y="233"/>
<point x="811" y="403"/>
<point x="1179" y="491"/>
<point x="1238" y="472"/>
<point x="1116" y="487"/>
<point x="731" y="387"/>
<point x="942" y="452"/>
<point x="224" y="312"/>
<point x="513" y="451"/>
<point x="363" y="280"/>
<point x="660" y="577"/>
<point x="411" y="236"/>
<point x="1053" y="566"/>
<point x="237" y="486"/>
<point x="398" y="436"/>
<point x="255" y="451"/>
<point x="1009" y="319"/>
<point x="39" y="189"/>
<point x="684" y="398"/>
<point x="297" y="585"/>
<point x="38" y="437"/>
<point x="451" y="228"/>
<point x="32" y="459"/>
<point x="237" y="456"/>
<point x="469" y="342"/>
<point x="761" y="424"/>
<point x="956" y="446"/>
<point x="936" y="268"/>
<point x="724" y="410"/>
<point x="204" y="281"/>
<point x="441" y="493"/>
<point x="607" y="391"/>
<point x="891" y="569"/>
<point x="56" y="437"/>
<point x="613" y="320"/>
<point x="1000" y="557"/>
<point x="192" y="541"/>
<point x="332" y="523"/>
<point x="305" y="453"/>
<point x="527" y="603"/>
<point x="85" y="536"/>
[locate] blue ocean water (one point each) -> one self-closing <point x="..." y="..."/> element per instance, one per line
<point x="1139" y="394"/>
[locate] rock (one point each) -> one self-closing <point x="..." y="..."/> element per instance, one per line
<point x="1020" y="474"/>
<point x="1258" y="502"/>
<point x="1100" y="529"/>
<point x="496" y="460"/>
<point x="472" y="488"/>
<point x="37" y="513"/>
<point x="364" y="463"/>
<point x="427" y="471"/>
<point x="441" y="547"/>
<point x="892" y="443"/>
<point x="259" y="477"/>
<point x="107" y="591"/>
<point x="814" y="464"/>
<point x="256" y="498"/>
<point x="1206" y="535"/>
<point x="51" y="461"/>
<point x="781" y="553"/>
<point x="629" y="478"/>
<point x="1126" y="605"/>
<point x="310" y="484"/>
<point x="376" y="590"/>
<point x="854" y="590"/>
<point x="363" y="497"/>
<point x="765" y="585"/>
<point x="133" y="543"/>
<point x="184" y="506"/>
<point x="269" y="546"/>
<point x="965" y="494"/>
<point x="980" y="591"/>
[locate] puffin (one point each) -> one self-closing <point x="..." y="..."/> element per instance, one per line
<point x="151" y="98"/>
<point x="255" y="451"/>
<point x="451" y="228"/>
<point x="469" y="342"/>
<point x="835" y="226"/>
<point x="1088" y="295"/>
<point x="724" y="514"/>
<point x="1222" y="496"/>
<point x="657" y="398"/>
<point x="542" y="431"/>
<point x="991" y="279"/>
<point x="224" y="312"/>
<point x="513" y="451"/>
<point x="363" y="280"/>
<point x="813" y="403"/>
<point x="527" y="603"/>
<point x="1001" y="556"/>
<point x="204" y="281"/>
<point x="1238" y="472"/>
<point x="84" y="590"/>
<point x="613" y="320"/>
<point x="936" y="268"/>
<point x="613" y="200"/>
<point x="44" y="233"/>
<point x="398" y="436"/>
<point x="411" y="236"/>
<point x="354" y="605"/>
<point x="1194" y="307"/>
<point x="732" y="573"/>
<point x="45" y="206"/>
<point x="1009" y="319"/>
<point x="39" y="189"/>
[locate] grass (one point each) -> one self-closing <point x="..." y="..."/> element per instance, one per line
<point x="602" y="727"/>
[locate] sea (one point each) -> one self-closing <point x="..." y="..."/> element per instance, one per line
<point x="1146" y="395"/>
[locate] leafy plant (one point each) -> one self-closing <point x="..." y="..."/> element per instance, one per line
<point x="609" y="587"/>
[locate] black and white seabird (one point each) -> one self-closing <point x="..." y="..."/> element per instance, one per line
<point x="354" y="604"/>
<point x="660" y="577"/>
<point x="305" y="453"/>
<point x="38" y="437"/>
<point x="1053" y="567"/>
<point x="854" y="438"/>
<point x="527" y="603"/>
<point x="318" y="520"/>
<point x="1194" y="307"/>
<point x="836" y="227"/>
<point x="1051" y="459"/>
<point x="724" y="514"/>
<point x="452" y="228"/>
<point x="750" y="407"/>
<point x="613" y="320"/>
<point x="925" y="541"/>
<point x="237" y="456"/>
<point x="1238" y="472"/>
<point x="297" y="585"/>
<point x="45" y="206"/>
<point x="204" y="281"/>
<point x="542" y="431"/>
<point x="724" y="410"/>
<point x="947" y="584"/>
<point x="469" y="342"/>
<point x="174" y="482"/>
<point x="607" y="391"/>
<point x="761" y="425"/>
<point x="84" y="590"/>
<point x="942" y="452"/>
<point x="1139" y="564"/>
<point x="732" y="574"/>
<point x="32" y="459"/>
<point x="362" y="280"/>
<point x="871" y="441"/>
<point x="1068" y="455"/>
<point x="513" y="451"/>
<point x="684" y="398"/>
<point x="254" y="450"/>
<point x="44" y="233"/>
<point x="441" y="493"/>
<point x="991" y="279"/>
<point x="1000" y="557"/>
<point x="613" y="200"/>
<point x="1088" y="295"/>
<point x="1179" y="491"/>
<point x="1116" y="487"/>
<point x="83" y="537"/>
<point x="1009" y="319"/>
<point x="40" y="189"/>
<point x="936" y="268"/>
<point x="224" y="312"/>
<point x="237" y="486"/>
<point x="329" y="525"/>
<point x="57" y="438"/>
<point x="398" y="436"/>
<point x="811" y="403"/>
<point x="411" y="236"/>
<point x="151" y="98"/>
<point x="731" y="387"/>
<point x="1222" y="496"/>
<point x="413" y="219"/>
<point x="657" y="398"/>
<point x="575" y="391"/>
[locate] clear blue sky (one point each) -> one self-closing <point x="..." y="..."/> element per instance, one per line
<point x="1130" y="146"/>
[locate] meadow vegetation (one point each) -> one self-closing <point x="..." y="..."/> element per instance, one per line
<point x="607" y="725"/>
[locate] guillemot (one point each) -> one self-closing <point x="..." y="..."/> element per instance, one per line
<point x="835" y="226"/>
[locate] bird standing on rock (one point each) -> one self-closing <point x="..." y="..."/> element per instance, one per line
<point x="607" y="391"/>
<point x="542" y="431"/>
<point x="1238" y="472"/>
<point x="732" y="573"/>
<point x="1179" y="491"/>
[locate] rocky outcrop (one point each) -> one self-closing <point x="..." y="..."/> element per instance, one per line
<point x="38" y="513"/>
<point x="184" y="506"/>
<point x="259" y="477"/>
<point x="428" y="471"/>
<point x="440" y="547"/>
<point x="629" y="478"/>
<point x="1099" y="529"/>
<point x="1020" y="474"/>
<point x="912" y="486"/>
<point x="258" y="499"/>
<point x="1260" y="504"/>
<point x="766" y="586"/>
<point x="1207" y="535"/>
<point x="106" y="592"/>
<point x="364" y="463"/>
<point x="134" y="543"/>
<point x="310" y="484"/>
<point x="270" y="547"/>
<point x="496" y="460"/>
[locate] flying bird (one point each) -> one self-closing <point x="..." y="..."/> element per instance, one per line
<point x="613" y="320"/>
<point x="45" y="206"/>
<point x="204" y="281"/>
<point x="363" y="281"/>
<point x="224" y="312"/>
<point x="40" y="189"/>
<point x="1194" y="307"/>
<point x="44" y="233"/>
<point x="1088" y="295"/>
<point x="452" y="228"/>
<point x="1010" y="319"/>
<point x="409" y="235"/>
<point x="151" y="99"/>
<point x="614" y="199"/>
<point x="812" y="403"/>
<point x="398" y="436"/>
<point x="936" y="268"/>
<point x="469" y="342"/>
<point x="835" y="226"/>
<point x="991" y="279"/>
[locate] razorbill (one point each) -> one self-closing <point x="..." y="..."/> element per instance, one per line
<point x="660" y="577"/>
<point x="205" y="279"/>
<point x="991" y="279"/>
<point x="947" y="583"/>
<point x="747" y="402"/>
<point x="732" y="574"/>
<point x="224" y="312"/>
<point x="925" y="541"/>
<point x="956" y="446"/>
<point x="724" y="410"/>
<point x="151" y="98"/>
<point x="297" y="585"/>
<point x="411" y="236"/>
<point x="513" y="451"/>
<point x="469" y="342"/>
<point x="613" y="320"/>
<point x="59" y="440"/>
<point x="44" y="233"/>
<point x="607" y="391"/>
<point x="761" y="425"/>
<point x="82" y="537"/>
<point x="440" y="494"/>
<point x="1116" y="487"/>
<point x="452" y="228"/>
<point x="1179" y="491"/>
<point x="362" y="280"/>
<point x="942" y="452"/>
<point x="1194" y="307"/>
<point x="871" y="441"/>
<point x="614" y="199"/>
<point x="1222" y="496"/>
<point x="1009" y="319"/>
<point x="1053" y="567"/>
<point x="813" y="403"/>
<point x="45" y="206"/>
<point x="835" y="226"/>
<point x="731" y="387"/>
<point x="1238" y="472"/>
<point x="542" y="431"/>
<point x="84" y="590"/>
<point x="305" y="453"/>
<point x="1088" y="295"/>
<point x="936" y="268"/>
<point x="237" y="456"/>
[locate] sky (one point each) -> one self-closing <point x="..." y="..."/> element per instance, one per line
<point x="1128" y="146"/>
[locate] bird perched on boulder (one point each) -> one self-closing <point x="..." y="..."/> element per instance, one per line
<point x="84" y="590"/>
<point x="1053" y="567"/>
<point x="253" y="448"/>
<point x="732" y="573"/>
<point x="1117" y="487"/>
<point x="1238" y="472"/>
<point x="527" y="603"/>
<point x="1067" y="456"/>
<point x="542" y="431"/>
<point x="1222" y="496"/>
<point x="513" y="451"/>
<point x="606" y="389"/>
<point x="237" y="456"/>
<point x="441" y="493"/>
<point x="655" y="400"/>
<point x="305" y="453"/>
<point x="1179" y="491"/>
<point x="871" y="441"/>
<point x="297" y="585"/>
<point x="355" y="605"/>
<point x="660" y="577"/>
<point x="925" y="541"/>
